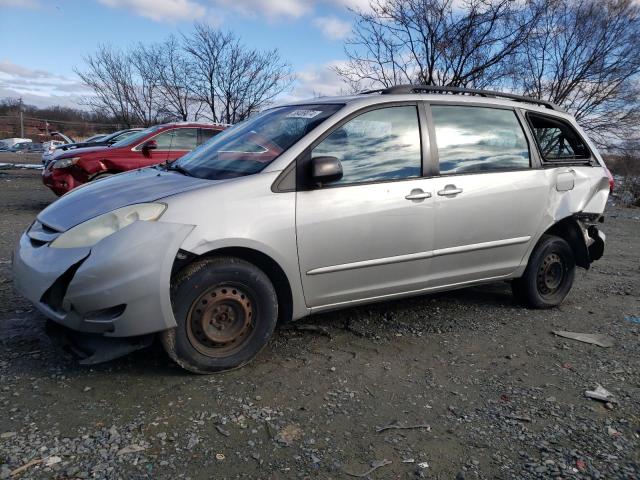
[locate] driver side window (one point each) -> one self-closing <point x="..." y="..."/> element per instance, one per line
<point x="379" y="145"/>
<point x="177" y="139"/>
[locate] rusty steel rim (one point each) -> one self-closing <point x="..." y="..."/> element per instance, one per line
<point x="550" y="274"/>
<point x="221" y="321"/>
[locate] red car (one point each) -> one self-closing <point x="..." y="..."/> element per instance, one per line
<point x="159" y="144"/>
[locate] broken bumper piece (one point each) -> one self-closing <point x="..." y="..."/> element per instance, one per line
<point x="598" y="240"/>
<point x="91" y="348"/>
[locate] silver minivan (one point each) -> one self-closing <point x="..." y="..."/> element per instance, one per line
<point x="315" y="206"/>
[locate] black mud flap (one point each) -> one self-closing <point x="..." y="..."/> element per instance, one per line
<point x="93" y="348"/>
<point x="596" y="249"/>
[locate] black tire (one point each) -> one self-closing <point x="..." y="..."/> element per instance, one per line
<point x="549" y="274"/>
<point x="226" y="310"/>
<point x="101" y="176"/>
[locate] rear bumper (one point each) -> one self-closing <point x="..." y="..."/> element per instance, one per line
<point x="596" y="244"/>
<point x="117" y="288"/>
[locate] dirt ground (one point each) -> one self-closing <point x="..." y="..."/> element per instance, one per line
<point x="487" y="389"/>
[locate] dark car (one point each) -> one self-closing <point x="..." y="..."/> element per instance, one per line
<point x="102" y="140"/>
<point x="94" y="141"/>
<point x="158" y="144"/>
<point x="34" y="148"/>
<point x="22" y="147"/>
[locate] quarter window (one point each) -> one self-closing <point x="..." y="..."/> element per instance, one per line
<point x="379" y="145"/>
<point x="556" y="140"/>
<point x="478" y="139"/>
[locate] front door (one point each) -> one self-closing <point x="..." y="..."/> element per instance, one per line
<point x="369" y="234"/>
<point x="488" y="199"/>
<point x="171" y="145"/>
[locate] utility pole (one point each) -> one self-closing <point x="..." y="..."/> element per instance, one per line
<point x="21" y="120"/>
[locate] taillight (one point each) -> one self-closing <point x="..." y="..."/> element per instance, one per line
<point x="612" y="182"/>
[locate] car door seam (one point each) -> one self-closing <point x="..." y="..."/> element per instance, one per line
<point x="419" y="255"/>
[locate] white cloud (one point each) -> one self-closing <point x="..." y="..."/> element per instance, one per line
<point x="272" y="9"/>
<point x="317" y="81"/>
<point x="353" y="4"/>
<point x="20" y="3"/>
<point x="39" y="87"/>
<point x="333" y="27"/>
<point x="161" y="10"/>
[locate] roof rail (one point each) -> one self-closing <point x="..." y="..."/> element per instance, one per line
<point x="404" y="89"/>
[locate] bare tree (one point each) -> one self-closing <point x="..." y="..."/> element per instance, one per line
<point x="145" y="86"/>
<point x="205" y="47"/>
<point x="434" y="42"/>
<point x="173" y="77"/>
<point x="232" y="80"/>
<point x="123" y="83"/>
<point x="108" y="75"/>
<point x="583" y="55"/>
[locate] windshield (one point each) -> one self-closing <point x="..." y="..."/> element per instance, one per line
<point x="250" y="146"/>
<point x="95" y="138"/>
<point x="133" y="139"/>
<point x="121" y="135"/>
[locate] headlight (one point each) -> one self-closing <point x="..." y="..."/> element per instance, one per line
<point x="65" y="162"/>
<point x="92" y="231"/>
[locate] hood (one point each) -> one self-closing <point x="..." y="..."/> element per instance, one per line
<point x="74" y="146"/>
<point x="74" y="152"/>
<point x="96" y="198"/>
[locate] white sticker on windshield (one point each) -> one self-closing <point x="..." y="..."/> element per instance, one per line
<point x="304" y="114"/>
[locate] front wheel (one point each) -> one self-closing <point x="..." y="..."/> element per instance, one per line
<point x="549" y="274"/>
<point x="101" y="176"/>
<point x="226" y="310"/>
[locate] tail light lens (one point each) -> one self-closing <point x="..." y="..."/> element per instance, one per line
<point x="612" y="182"/>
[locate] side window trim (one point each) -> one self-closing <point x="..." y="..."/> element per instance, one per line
<point x="304" y="158"/>
<point x="428" y="149"/>
<point x="138" y="147"/>
<point x="434" y="157"/>
<point x="534" y="154"/>
<point x="555" y="163"/>
<point x="533" y="163"/>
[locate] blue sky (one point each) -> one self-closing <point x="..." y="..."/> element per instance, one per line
<point x="43" y="40"/>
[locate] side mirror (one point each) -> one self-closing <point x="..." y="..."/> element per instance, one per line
<point x="149" y="145"/>
<point x="326" y="169"/>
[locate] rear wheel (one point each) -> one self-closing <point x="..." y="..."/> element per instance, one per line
<point x="226" y="310"/>
<point x="549" y="274"/>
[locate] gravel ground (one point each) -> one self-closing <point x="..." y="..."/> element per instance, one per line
<point x="488" y="391"/>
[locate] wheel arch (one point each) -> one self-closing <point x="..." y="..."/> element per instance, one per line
<point x="570" y="231"/>
<point x="261" y="260"/>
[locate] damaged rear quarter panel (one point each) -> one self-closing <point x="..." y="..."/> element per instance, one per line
<point x="588" y="195"/>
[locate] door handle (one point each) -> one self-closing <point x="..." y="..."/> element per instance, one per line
<point x="418" y="194"/>
<point x="449" y="190"/>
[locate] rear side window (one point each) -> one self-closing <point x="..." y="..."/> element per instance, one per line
<point x="557" y="140"/>
<point x="479" y="139"/>
<point x="207" y="134"/>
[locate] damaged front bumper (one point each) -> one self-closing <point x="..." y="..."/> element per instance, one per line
<point x="117" y="288"/>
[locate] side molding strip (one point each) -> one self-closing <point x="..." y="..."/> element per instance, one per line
<point x="419" y="256"/>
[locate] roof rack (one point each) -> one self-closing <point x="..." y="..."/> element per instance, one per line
<point x="404" y="89"/>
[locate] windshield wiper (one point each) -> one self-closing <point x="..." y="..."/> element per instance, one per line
<point x="178" y="168"/>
